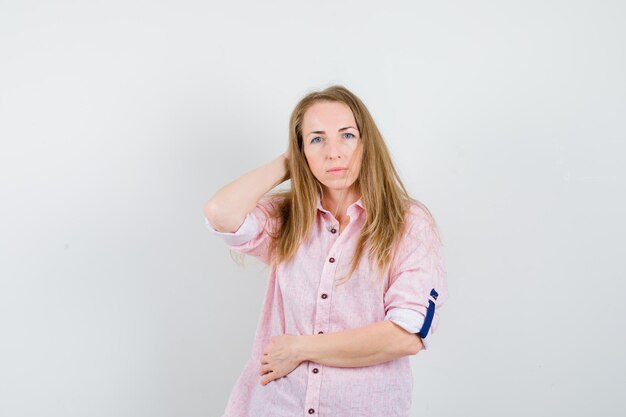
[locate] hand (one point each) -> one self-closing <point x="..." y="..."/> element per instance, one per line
<point x="280" y="357"/>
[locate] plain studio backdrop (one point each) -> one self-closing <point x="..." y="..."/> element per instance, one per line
<point x="120" y="119"/>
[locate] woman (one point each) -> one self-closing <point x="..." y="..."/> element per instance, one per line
<point x="356" y="275"/>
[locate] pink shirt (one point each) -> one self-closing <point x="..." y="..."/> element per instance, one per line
<point x="301" y="300"/>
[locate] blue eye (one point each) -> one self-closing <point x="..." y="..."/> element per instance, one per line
<point x="319" y="137"/>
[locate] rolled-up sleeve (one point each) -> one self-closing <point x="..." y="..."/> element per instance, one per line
<point x="417" y="282"/>
<point x="253" y="235"/>
<point x="247" y="231"/>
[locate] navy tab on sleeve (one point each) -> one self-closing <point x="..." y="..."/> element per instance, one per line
<point x="428" y="320"/>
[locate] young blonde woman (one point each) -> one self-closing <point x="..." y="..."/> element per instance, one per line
<point x="356" y="277"/>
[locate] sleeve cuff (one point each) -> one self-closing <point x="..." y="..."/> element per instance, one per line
<point x="410" y="320"/>
<point x="246" y="232"/>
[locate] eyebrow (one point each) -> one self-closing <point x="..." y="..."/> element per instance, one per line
<point x="343" y="128"/>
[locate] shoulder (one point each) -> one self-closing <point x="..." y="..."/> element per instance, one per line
<point x="271" y="205"/>
<point x="269" y="211"/>
<point x="418" y="216"/>
<point x="420" y="241"/>
<point x="420" y="227"/>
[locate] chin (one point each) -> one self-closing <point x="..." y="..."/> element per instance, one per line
<point x="338" y="188"/>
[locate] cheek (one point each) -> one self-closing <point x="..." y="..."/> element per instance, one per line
<point x="308" y="160"/>
<point x="316" y="168"/>
<point x="314" y="164"/>
<point x="356" y="157"/>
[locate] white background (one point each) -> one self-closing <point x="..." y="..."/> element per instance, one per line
<point x="119" y="119"/>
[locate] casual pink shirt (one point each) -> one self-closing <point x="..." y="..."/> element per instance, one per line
<point x="301" y="300"/>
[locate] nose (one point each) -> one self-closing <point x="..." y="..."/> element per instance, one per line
<point x="333" y="150"/>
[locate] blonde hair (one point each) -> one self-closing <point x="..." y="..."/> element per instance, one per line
<point x="385" y="198"/>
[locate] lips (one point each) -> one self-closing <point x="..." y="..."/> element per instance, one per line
<point x="336" y="169"/>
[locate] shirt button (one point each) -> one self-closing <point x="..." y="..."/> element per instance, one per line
<point x="332" y="260"/>
<point x="324" y="296"/>
<point x="315" y="370"/>
<point x="311" y="411"/>
<point x="333" y="230"/>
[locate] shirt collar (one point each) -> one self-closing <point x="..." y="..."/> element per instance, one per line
<point x="359" y="203"/>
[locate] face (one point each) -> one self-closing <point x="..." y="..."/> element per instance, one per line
<point x="331" y="140"/>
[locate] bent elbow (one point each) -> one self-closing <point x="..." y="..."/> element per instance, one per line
<point x="222" y="222"/>
<point x="210" y="209"/>
<point x="416" y="345"/>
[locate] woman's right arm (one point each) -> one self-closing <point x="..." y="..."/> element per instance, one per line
<point x="230" y="205"/>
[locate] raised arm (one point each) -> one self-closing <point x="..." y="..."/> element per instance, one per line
<point x="228" y="207"/>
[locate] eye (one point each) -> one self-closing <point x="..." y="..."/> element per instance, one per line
<point x="350" y="134"/>
<point x="316" y="137"/>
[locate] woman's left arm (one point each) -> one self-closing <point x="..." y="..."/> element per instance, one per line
<point x="363" y="346"/>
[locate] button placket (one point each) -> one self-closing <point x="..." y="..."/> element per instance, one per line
<point x="322" y="315"/>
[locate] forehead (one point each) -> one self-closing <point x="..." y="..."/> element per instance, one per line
<point x="327" y="113"/>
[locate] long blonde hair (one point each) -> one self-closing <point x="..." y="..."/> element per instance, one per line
<point x="385" y="198"/>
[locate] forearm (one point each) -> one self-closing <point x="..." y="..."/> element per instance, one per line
<point x="364" y="346"/>
<point x="230" y="204"/>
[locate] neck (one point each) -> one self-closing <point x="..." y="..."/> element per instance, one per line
<point x="338" y="201"/>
